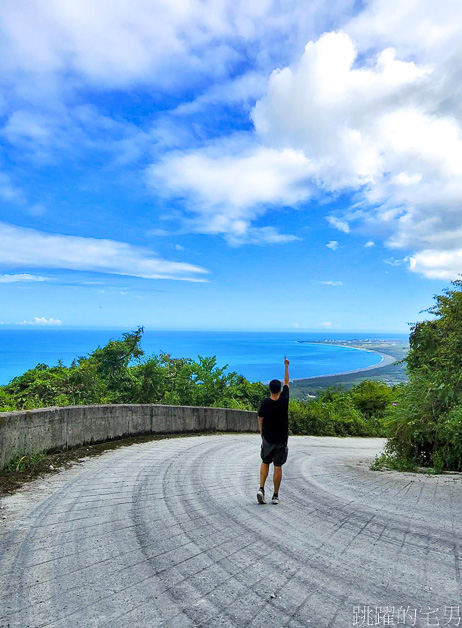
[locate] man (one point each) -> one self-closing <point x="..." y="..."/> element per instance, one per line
<point x="273" y="421"/>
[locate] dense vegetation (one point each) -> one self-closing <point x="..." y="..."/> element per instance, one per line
<point x="120" y="373"/>
<point x="425" y="425"/>
<point x="360" y="411"/>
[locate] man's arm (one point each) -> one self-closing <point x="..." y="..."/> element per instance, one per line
<point x="260" y="423"/>
<point x="286" y="371"/>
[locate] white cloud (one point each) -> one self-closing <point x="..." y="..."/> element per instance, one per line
<point x="331" y="109"/>
<point x="247" y="87"/>
<point x="380" y="125"/>
<point x="42" y="321"/>
<point x="227" y="190"/>
<point x="333" y="245"/>
<point x="33" y="127"/>
<point x="216" y="178"/>
<point x="36" y="249"/>
<point x="120" y="44"/>
<point x="374" y="109"/>
<point x="391" y="261"/>
<point x="260" y="235"/>
<point x="50" y="52"/>
<point x="422" y="28"/>
<point x="437" y="264"/>
<point x="326" y="324"/>
<point x="9" y="191"/>
<point x="21" y="277"/>
<point x="43" y="135"/>
<point x="331" y="283"/>
<point x="341" y="225"/>
<point x="369" y="244"/>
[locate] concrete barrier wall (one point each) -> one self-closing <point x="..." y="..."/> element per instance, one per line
<point x="47" y="429"/>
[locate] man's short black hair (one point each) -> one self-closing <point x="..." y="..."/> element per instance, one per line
<point x="275" y="386"/>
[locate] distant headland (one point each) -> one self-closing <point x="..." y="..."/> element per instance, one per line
<point x="390" y="368"/>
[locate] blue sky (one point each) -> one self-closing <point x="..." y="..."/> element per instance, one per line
<point x="210" y="165"/>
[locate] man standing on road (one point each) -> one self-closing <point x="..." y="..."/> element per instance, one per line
<point x="273" y="421"/>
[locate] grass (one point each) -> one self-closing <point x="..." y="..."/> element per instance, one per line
<point x="384" y="461"/>
<point x="393" y="462"/>
<point x="22" y="463"/>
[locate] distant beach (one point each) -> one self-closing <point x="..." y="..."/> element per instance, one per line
<point x="385" y="360"/>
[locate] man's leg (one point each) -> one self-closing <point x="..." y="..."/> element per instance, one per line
<point x="279" y="459"/>
<point x="277" y="477"/>
<point x="264" y="470"/>
<point x="263" y="475"/>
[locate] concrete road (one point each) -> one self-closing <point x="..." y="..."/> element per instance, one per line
<point x="169" y="533"/>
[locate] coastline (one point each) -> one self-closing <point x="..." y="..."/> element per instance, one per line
<point x="386" y="360"/>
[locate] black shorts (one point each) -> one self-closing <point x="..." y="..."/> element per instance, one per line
<point x="274" y="453"/>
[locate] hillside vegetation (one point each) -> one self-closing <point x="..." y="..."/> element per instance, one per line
<point x="425" y="425"/>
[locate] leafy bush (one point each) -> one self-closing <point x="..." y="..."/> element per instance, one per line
<point x="372" y="398"/>
<point x="7" y="402"/>
<point x="412" y="423"/>
<point x="336" y="413"/>
<point x="448" y="452"/>
<point x="425" y="427"/>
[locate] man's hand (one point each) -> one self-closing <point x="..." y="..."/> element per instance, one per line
<point x="286" y="371"/>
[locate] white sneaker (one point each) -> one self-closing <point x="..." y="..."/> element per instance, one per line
<point x="275" y="499"/>
<point x="261" y="496"/>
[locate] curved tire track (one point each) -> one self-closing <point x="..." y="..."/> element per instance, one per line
<point x="169" y="533"/>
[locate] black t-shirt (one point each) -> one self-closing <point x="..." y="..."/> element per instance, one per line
<point x="275" y="416"/>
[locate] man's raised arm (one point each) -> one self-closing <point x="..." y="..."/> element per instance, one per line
<point x="286" y="371"/>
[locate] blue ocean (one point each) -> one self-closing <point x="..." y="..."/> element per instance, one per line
<point x="256" y="355"/>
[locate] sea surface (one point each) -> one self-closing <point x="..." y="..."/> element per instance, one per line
<point x="256" y="355"/>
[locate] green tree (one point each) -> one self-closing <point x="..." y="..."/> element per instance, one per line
<point x="7" y="402"/>
<point x="423" y="426"/>
<point x="110" y="364"/>
<point x="334" y="412"/>
<point x="372" y="398"/>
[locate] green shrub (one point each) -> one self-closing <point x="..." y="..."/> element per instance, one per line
<point x="372" y="398"/>
<point x="448" y="454"/>
<point x="332" y="413"/>
<point x="309" y="417"/>
<point x="7" y="402"/>
<point x="425" y="426"/>
<point x="390" y="460"/>
<point x="412" y="423"/>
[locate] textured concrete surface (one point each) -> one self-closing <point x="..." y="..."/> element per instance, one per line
<point x="45" y="429"/>
<point x="170" y="534"/>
